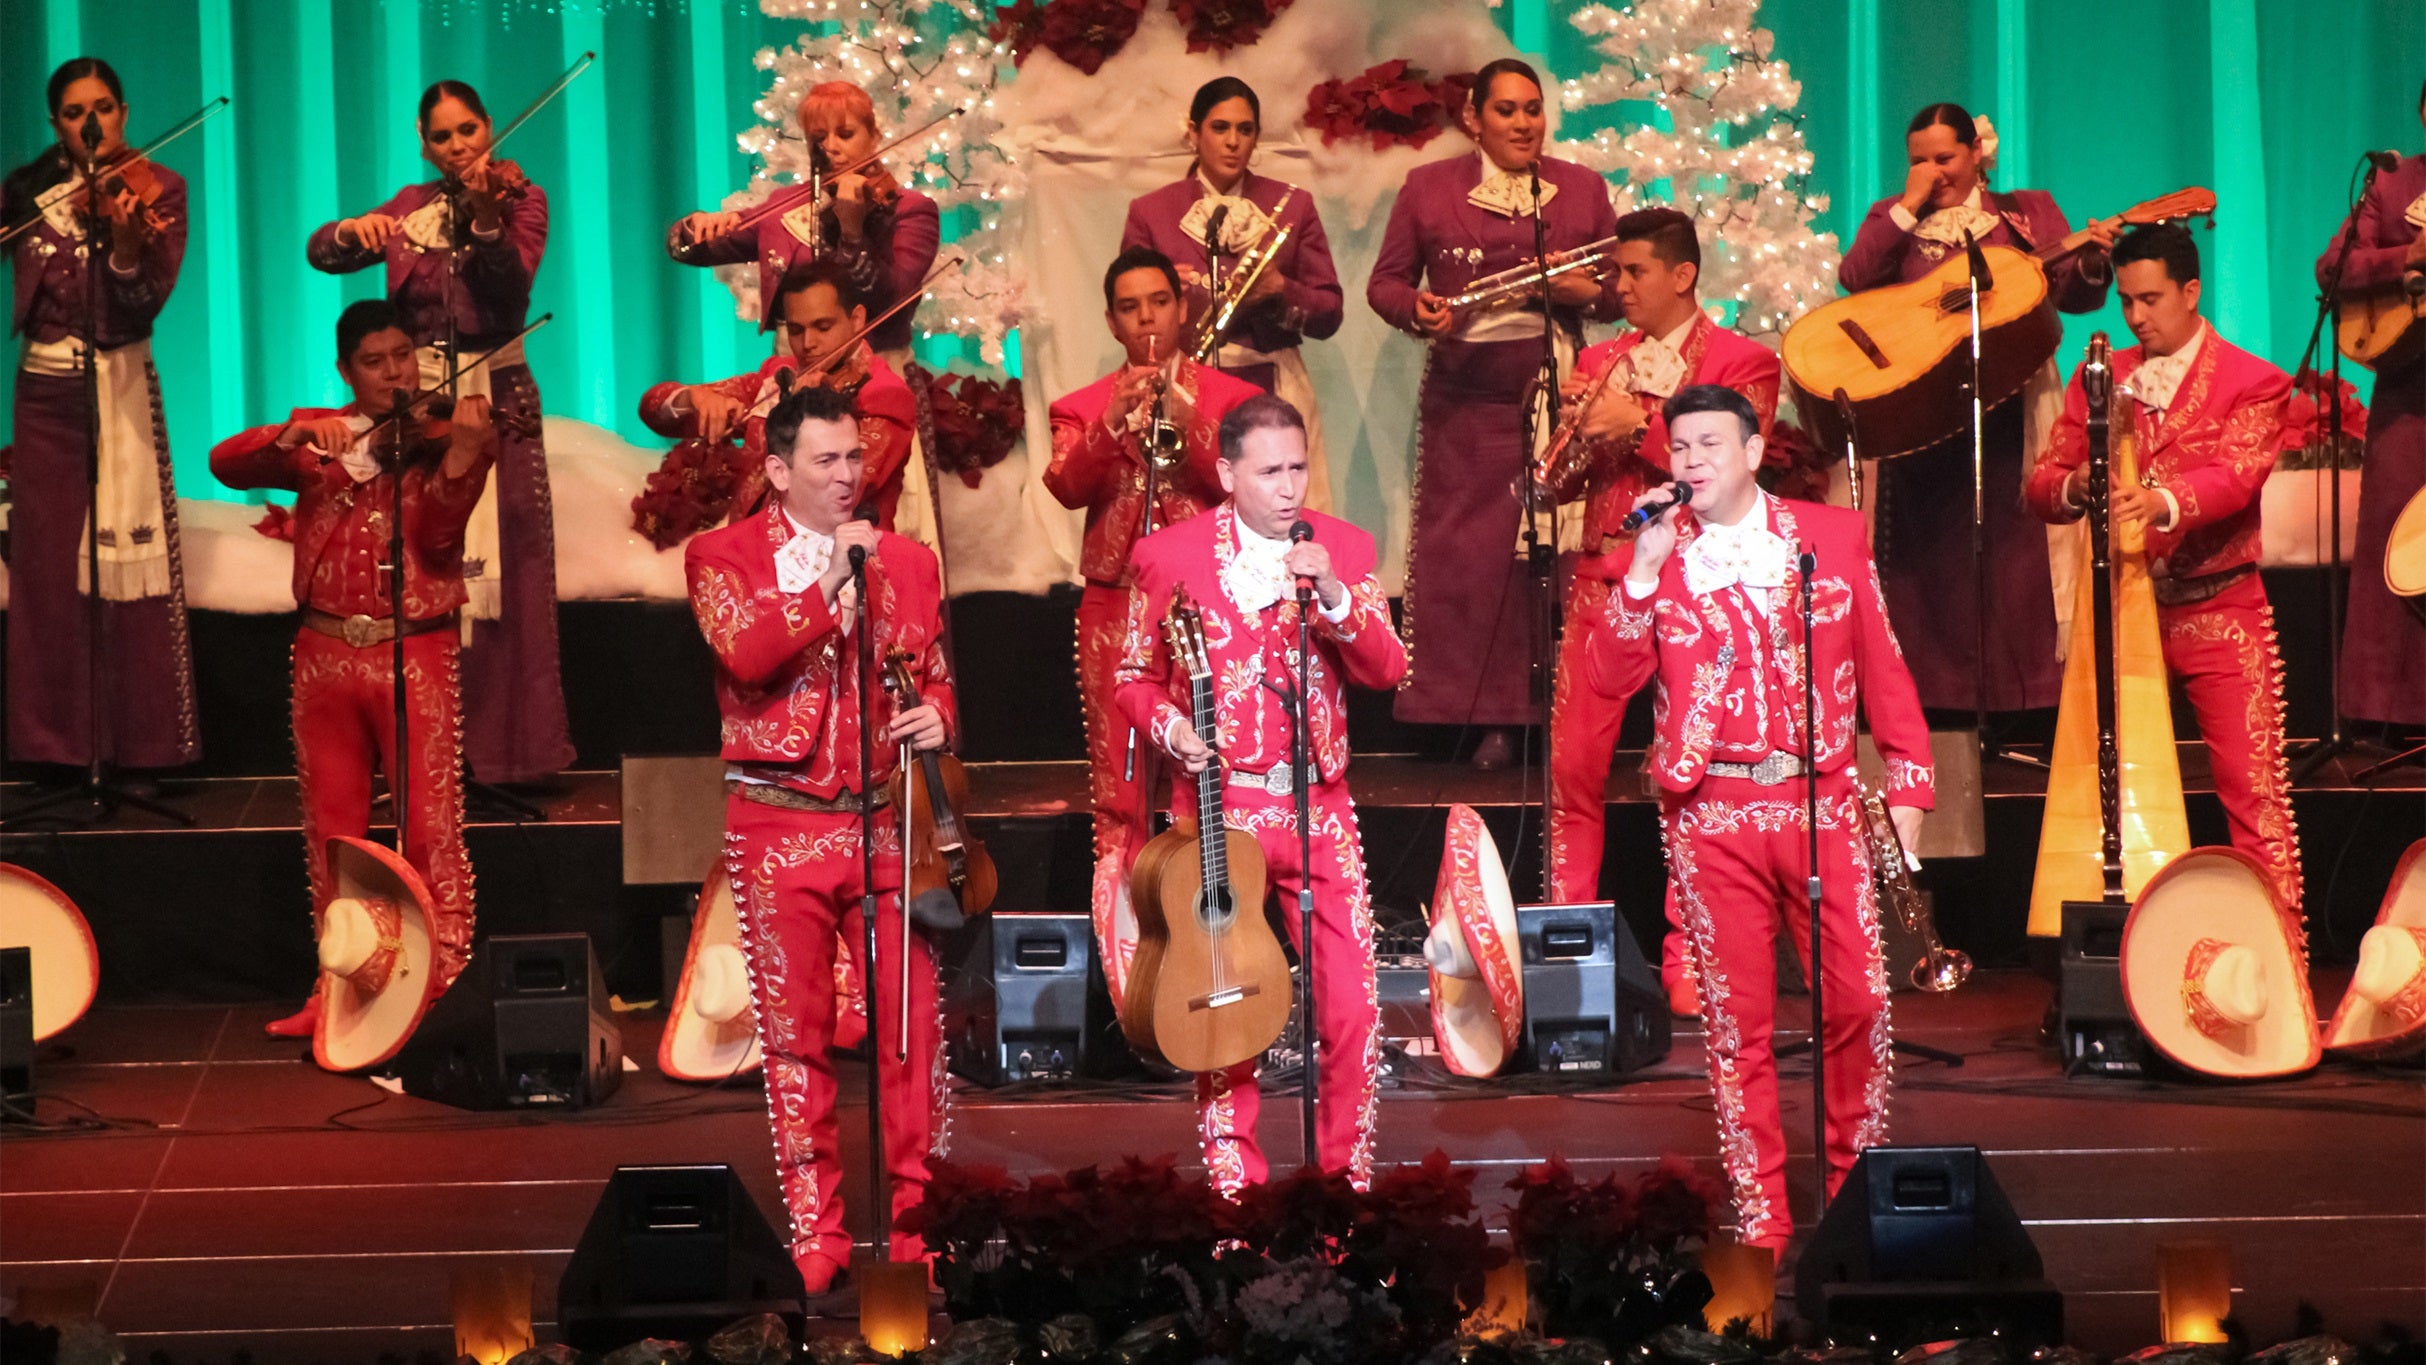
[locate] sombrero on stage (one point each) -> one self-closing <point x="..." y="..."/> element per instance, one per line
<point x="1478" y="987"/>
<point x="377" y="959"/>
<point x="2212" y="973"/>
<point x="2383" y="1014"/>
<point x="712" y="1033"/>
<point x="66" y="966"/>
<point x="2405" y="552"/>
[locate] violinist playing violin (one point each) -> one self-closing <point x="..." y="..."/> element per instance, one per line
<point x="338" y="463"/>
<point x="135" y="228"/>
<point x="460" y="253"/>
<point x="822" y="343"/>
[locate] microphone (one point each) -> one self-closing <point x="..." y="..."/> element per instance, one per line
<point x="2413" y="283"/>
<point x="2385" y="163"/>
<point x="859" y="553"/>
<point x="1301" y="532"/>
<point x="1679" y="493"/>
<point x="90" y="134"/>
<point x="1213" y="223"/>
<point x="1981" y="280"/>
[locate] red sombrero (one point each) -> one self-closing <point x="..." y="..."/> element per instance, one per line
<point x="2212" y="973"/>
<point x="712" y="1033"/>
<point x="67" y="967"/>
<point x="2383" y="1014"/>
<point x="1478" y="987"/>
<point x="377" y="969"/>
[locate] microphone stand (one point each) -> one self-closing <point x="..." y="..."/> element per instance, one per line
<point x="1805" y="564"/>
<point x="1541" y="558"/>
<point x="1981" y="281"/>
<point x="99" y="796"/>
<point x="880" y="1191"/>
<point x="1301" y="783"/>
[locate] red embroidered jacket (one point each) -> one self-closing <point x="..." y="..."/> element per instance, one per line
<point x="1730" y="679"/>
<point x="2211" y="448"/>
<point x="341" y="530"/>
<point x="1246" y="648"/>
<point x="1615" y="476"/>
<point x="1104" y="471"/>
<point x="888" y="417"/>
<point x="787" y="675"/>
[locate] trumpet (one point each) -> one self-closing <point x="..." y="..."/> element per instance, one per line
<point x="1165" y="443"/>
<point x="1511" y="287"/>
<point x="1212" y="328"/>
<point x="1562" y="461"/>
<point x="1941" y="969"/>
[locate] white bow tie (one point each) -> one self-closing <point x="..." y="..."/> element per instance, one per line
<point x="1655" y="368"/>
<point x="1241" y="227"/>
<point x="803" y="559"/>
<point x="2156" y="381"/>
<point x="1258" y="575"/>
<point x="1510" y="193"/>
<point x="1950" y="225"/>
<point x="1752" y="556"/>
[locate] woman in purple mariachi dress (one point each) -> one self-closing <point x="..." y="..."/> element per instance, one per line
<point x="461" y="252"/>
<point x="146" y="688"/>
<point x="1297" y="297"/>
<point x="1468" y="604"/>
<point x="1923" y="532"/>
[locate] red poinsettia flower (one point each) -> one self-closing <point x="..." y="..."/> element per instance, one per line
<point x="1389" y="104"/>
<point x="1220" y="25"/>
<point x="278" y="523"/>
<point x="1086" y="33"/>
<point x="2304" y="418"/>
<point x="1019" y="25"/>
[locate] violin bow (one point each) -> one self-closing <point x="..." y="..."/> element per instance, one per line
<point x="454" y="372"/>
<point x="580" y="64"/>
<point x="784" y="196"/>
<point x="143" y="153"/>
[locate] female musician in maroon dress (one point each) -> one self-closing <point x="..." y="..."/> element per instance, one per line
<point x="885" y="232"/>
<point x="1467" y="601"/>
<point x="146" y="687"/>
<point x="461" y="252"/>
<point x="1297" y="297"/>
<point x="1923" y="534"/>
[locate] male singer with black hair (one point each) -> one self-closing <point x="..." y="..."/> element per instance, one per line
<point x="1710" y="612"/>
<point x="775" y="597"/>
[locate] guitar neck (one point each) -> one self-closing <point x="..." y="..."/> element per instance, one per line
<point x="1213" y="845"/>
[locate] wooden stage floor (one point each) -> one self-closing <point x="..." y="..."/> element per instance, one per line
<point x="214" y="1191"/>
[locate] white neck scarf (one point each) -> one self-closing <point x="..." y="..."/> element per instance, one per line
<point x="1747" y="553"/>
<point x="1256" y="576"/>
<point x="1508" y="193"/>
<point x="2160" y="377"/>
<point x="1949" y="225"/>
<point x="1242" y="227"/>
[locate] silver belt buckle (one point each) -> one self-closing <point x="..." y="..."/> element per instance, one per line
<point x="361" y="631"/>
<point x="1775" y="767"/>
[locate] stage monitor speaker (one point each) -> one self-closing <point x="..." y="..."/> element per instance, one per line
<point x="526" y="1026"/>
<point x="17" y="1028"/>
<point x="673" y="1252"/>
<point x="2094" y="1029"/>
<point x="1591" y="1003"/>
<point x="1920" y="1242"/>
<point x="1022" y="1001"/>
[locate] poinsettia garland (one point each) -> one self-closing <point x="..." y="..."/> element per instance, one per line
<point x="976" y="421"/>
<point x="2299" y="441"/>
<point x="1393" y="104"/>
<point x="694" y="488"/>
<point x="1086" y="33"/>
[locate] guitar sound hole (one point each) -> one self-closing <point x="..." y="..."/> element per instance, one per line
<point x="1214" y="911"/>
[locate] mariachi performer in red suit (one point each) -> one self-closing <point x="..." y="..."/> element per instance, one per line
<point x="1709" y="610"/>
<point x="335" y="460"/>
<point x="1923" y="503"/>
<point x="774" y="597"/>
<point x="2206" y="413"/>
<point x="1296" y="297"/>
<point x="819" y="310"/>
<point x="146" y="687"/>
<point x="1670" y="344"/>
<point x="1455" y="222"/>
<point x="1239" y="565"/>
<point x="1102" y="463"/>
<point x="460" y="254"/>
<point x="2383" y="667"/>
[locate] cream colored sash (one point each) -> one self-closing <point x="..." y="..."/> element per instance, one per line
<point x="483" y="545"/>
<point x="133" y="535"/>
<point x="916" y="514"/>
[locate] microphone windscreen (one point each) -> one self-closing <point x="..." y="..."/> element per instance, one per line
<point x="866" y="512"/>
<point x="1301" y="530"/>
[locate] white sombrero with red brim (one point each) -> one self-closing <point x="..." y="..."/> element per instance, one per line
<point x="377" y="958"/>
<point x="2212" y="973"/>
<point x="712" y="1033"/>
<point x="2383" y="1014"/>
<point x="38" y="916"/>
<point x="1478" y="986"/>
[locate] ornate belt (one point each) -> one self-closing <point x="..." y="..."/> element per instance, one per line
<point x="2183" y="592"/>
<point x="792" y="798"/>
<point x="362" y="631"/>
<point x="1276" y="781"/>
<point x="1776" y="766"/>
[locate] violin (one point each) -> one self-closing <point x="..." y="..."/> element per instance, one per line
<point x="136" y="176"/>
<point x="948" y="877"/>
<point x="507" y="184"/>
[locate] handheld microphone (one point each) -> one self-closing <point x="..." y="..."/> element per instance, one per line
<point x="1302" y="532"/>
<point x="1679" y="493"/>
<point x="859" y="553"/>
<point x="2385" y="163"/>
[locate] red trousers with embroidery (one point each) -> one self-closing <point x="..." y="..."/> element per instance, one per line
<point x="1583" y="744"/>
<point x="796" y="884"/>
<point x="2223" y="652"/>
<point x="345" y="722"/>
<point x="1347" y="1012"/>
<point x="1737" y="859"/>
<point x="1112" y="779"/>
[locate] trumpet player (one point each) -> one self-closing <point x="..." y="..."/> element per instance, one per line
<point x="1457" y="222"/>
<point x="2204" y="413"/>
<point x="1137" y="450"/>
<point x="1618" y="449"/>
<point x="1217" y="224"/>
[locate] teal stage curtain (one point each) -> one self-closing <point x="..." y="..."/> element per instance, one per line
<point x="2103" y="102"/>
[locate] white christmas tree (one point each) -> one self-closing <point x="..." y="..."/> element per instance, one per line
<point x="1731" y="153"/>
<point x="918" y="60"/>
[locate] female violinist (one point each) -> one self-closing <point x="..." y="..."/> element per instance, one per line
<point x="461" y="252"/>
<point x="1297" y="297"/>
<point x="94" y="268"/>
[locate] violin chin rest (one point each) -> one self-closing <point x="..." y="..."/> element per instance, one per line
<point x="937" y="911"/>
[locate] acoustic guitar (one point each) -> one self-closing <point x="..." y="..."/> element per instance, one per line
<point x="2371" y="324"/>
<point x="1900" y="355"/>
<point x="1209" y="987"/>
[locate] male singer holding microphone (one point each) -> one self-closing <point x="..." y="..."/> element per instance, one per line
<point x="1251" y="569"/>
<point x="776" y="598"/>
<point x="1710" y="611"/>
